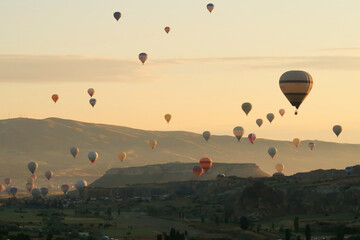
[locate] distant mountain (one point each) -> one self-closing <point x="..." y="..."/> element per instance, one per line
<point x="329" y="173"/>
<point x="48" y="142"/>
<point x="170" y="172"/>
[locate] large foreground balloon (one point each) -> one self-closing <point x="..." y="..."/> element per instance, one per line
<point x="33" y="176"/>
<point x="272" y="152"/>
<point x="206" y="135"/>
<point x="205" y="163"/>
<point x="259" y="122"/>
<point x="282" y="112"/>
<point x="210" y="7"/>
<point x="81" y="185"/>
<point x="2" y="188"/>
<point x="167" y="117"/>
<point x="36" y="193"/>
<point x="74" y="151"/>
<point x="29" y="187"/>
<point x="152" y="143"/>
<point x="93" y="156"/>
<point x="48" y="174"/>
<point x="337" y="129"/>
<point x="252" y="137"/>
<point x="44" y="191"/>
<point x="311" y="145"/>
<point x="55" y="97"/>
<point x="348" y="170"/>
<point x="279" y="167"/>
<point x="198" y="171"/>
<point x="91" y="92"/>
<point x="167" y="29"/>
<point x="117" y="15"/>
<point x="30" y="180"/>
<point x="65" y="188"/>
<point x="92" y="102"/>
<point x="246" y="107"/>
<point x="296" y="142"/>
<point x="143" y="57"/>
<point x="122" y="156"/>
<point x="270" y="117"/>
<point x="296" y="85"/>
<point x="7" y="181"/>
<point x="32" y="166"/>
<point x="238" y="132"/>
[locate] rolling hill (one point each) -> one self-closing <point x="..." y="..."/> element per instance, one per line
<point x="48" y="142"/>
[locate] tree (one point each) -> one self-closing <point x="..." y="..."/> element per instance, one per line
<point x="159" y="237"/>
<point x="340" y="233"/>
<point x="287" y="234"/>
<point x="296" y="224"/>
<point x="244" y="223"/>
<point x="50" y="236"/>
<point x="307" y="232"/>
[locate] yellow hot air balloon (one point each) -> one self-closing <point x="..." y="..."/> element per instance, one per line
<point x="167" y="117"/>
<point x="279" y="167"/>
<point x="122" y="156"/>
<point x="296" y="85"/>
<point x="296" y="142"/>
<point x="152" y="143"/>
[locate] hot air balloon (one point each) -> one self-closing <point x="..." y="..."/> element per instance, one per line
<point x="55" y="97"/>
<point x="117" y="15"/>
<point x="206" y="135"/>
<point x="246" y="107"/>
<point x="13" y="191"/>
<point x="7" y="181"/>
<point x="48" y="174"/>
<point x="296" y="85"/>
<point x="282" y="112"/>
<point x="220" y="176"/>
<point x="29" y="187"/>
<point x="279" y="167"/>
<point x="91" y="92"/>
<point x="122" y="156"/>
<point x="65" y="188"/>
<point x="259" y="122"/>
<point x="74" y="151"/>
<point x="167" y="29"/>
<point x="36" y="193"/>
<point x="152" y="143"/>
<point x="311" y="145"/>
<point x="198" y="171"/>
<point x="167" y="117"/>
<point x="93" y="156"/>
<point x="272" y="152"/>
<point x="210" y="7"/>
<point x="81" y="185"/>
<point x="337" y="129"/>
<point x="270" y="117"/>
<point x="143" y="57"/>
<point x="296" y="142"/>
<point x="2" y="188"/>
<point x="205" y="163"/>
<point x="30" y="180"/>
<point x="32" y="166"/>
<point x="238" y="132"/>
<point x="348" y="170"/>
<point x="252" y="137"/>
<point x="92" y="102"/>
<point x="44" y="191"/>
<point x="8" y="189"/>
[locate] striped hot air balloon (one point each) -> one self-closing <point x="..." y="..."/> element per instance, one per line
<point x="296" y="85"/>
<point x="205" y="163"/>
<point x="198" y="171"/>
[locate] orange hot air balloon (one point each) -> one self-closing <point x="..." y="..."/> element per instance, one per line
<point x="167" y="117"/>
<point x="205" y="163"/>
<point x="91" y="92"/>
<point x="55" y="97"/>
<point x="167" y="29"/>
<point x="152" y="143"/>
<point x="29" y="187"/>
<point x="34" y="177"/>
<point x="2" y="188"/>
<point x="122" y="156"/>
<point x="282" y="112"/>
<point x="198" y="171"/>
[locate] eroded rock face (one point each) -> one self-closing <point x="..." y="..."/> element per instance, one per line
<point x="174" y="172"/>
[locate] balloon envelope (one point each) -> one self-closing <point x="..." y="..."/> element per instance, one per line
<point x="143" y="57"/>
<point x="205" y="163"/>
<point x="246" y="107"/>
<point x="198" y="171"/>
<point x="167" y="117"/>
<point x="279" y="167"/>
<point x="2" y="188"/>
<point x="65" y="188"/>
<point x="152" y="143"/>
<point x="206" y="135"/>
<point x="81" y="185"/>
<point x="91" y="92"/>
<point x="296" y="142"/>
<point x="167" y="29"/>
<point x="29" y="187"/>
<point x="74" y="151"/>
<point x="337" y="129"/>
<point x="93" y="156"/>
<point x="8" y="189"/>
<point x="117" y="15"/>
<point x="282" y="112"/>
<point x="13" y="191"/>
<point x="44" y="191"/>
<point x="36" y="193"/>
<point x="7" y="181"/>
<point x="32" y="166"/>
<point x="92" y="102"/>
<point x="210" y="7"/>
<point x="270" y="117"/>
<point x="122" y="156"/>
<point x="272" y="152"/>
<point x="259" y="122"/>
<point x="348" y="170"/>
<point x="238" y="132"/>
<point x="252" y="137"/>
<point x="55" y="97"/>
<point x="311" y="145"/>
<point x="296" y="85"/>
<point x="48" y="174"/>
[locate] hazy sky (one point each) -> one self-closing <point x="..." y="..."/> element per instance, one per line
<point x="201" y="72"/>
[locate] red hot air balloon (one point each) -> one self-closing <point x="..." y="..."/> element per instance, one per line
<point x="252" y="137"/>
<point x="198" y="171"/>
<point x="205" y="163"/>
<point x="91" y="92"/>
<point x="167" y="29"/>
<point x="55" y="97"/>
<point x="65" y="188"/>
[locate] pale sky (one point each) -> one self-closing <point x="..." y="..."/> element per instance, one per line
<point x="201" y="72"/>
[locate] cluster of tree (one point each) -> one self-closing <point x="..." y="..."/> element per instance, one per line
<point x="173" y="235"/>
